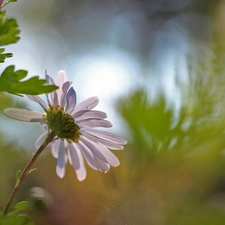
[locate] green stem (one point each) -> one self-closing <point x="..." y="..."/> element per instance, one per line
<point x="6" y="3"/>
<point x="26" y="171"/>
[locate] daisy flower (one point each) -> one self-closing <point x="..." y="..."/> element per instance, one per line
<point x="74" y="126"/>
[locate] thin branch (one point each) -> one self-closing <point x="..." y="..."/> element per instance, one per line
<point x="26" y="171"/>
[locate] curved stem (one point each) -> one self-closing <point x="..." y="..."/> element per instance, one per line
<point x="26" y="171"/>
<point x="4" y="4"/>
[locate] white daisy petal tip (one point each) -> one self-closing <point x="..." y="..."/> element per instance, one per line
<point x="103" y="171"/>
<point x="61" y="78"/>
<point x="60" y="172"/>
<point x="124" y="141"/>
<point x="115" y="162"/>
<point x="61" y="72"/>
<point x="77" y="161"/>
<point x="87" y="104"/>
<point x="81" y="178"/>
<point x="66" y="86"/>
<point x="23" y="115"/>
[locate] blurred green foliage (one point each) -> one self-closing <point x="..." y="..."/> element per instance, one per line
<point x="17" y="220"/>
<point x="179" y="158"/>
<point x="13" y="218"/>
<point x="155" y="129"/>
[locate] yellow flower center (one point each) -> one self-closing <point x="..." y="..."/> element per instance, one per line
<point x="62" y="124"/>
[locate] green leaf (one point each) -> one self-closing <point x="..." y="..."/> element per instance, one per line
<point x="19" y="207"/>
<point x="18" y="174"/>
<point x="9" y="30"/>
<point x="3" y="56"/>
<point x="13" y="219"/>
<point x="10" y="81"/>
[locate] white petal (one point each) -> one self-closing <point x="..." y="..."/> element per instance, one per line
<point x="105" y="135"/>
<point x="41" y="140"/>
<point x="51" y="97"/>
<point x="63" y="100"/>
<point x="89" y="114"/>
<point x="55" y="147"/>
<point x="70" y="100"/>
<point x="24" y="115"/>
<point x="94" y="123"/>
<point x="106" y="143"/>
<point x="101" y="152"/>
<point x="88" y="155"/>
<point x="87" y="104"/>
<point x="77" y="161"/>
<point x="61" y="78"/>
<point x="61" y="163"/>
<point x="49" y="79"/>
<point x="39" y="101"/>
<point x="93" y="161"/>
<point x="103" y="166"/>
<point x="65" y="88"/>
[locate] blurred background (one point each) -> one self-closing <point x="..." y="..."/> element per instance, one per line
<point x="158" y="69"/>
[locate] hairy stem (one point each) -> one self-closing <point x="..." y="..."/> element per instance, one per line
<point x="26" y="171"/>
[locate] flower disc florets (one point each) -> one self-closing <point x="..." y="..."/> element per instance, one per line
<point x="62" y="124"/>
